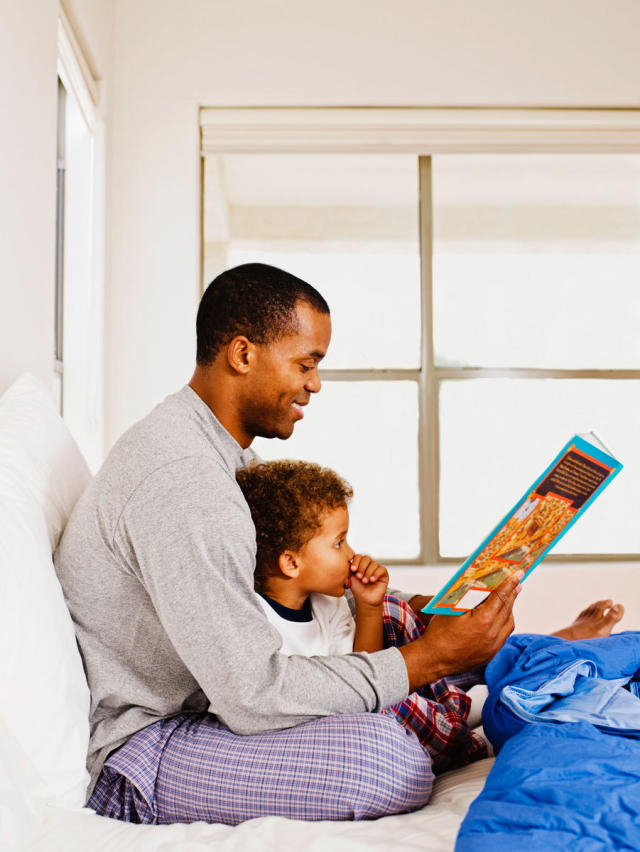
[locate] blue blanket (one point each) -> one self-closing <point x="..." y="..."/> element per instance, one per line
<point x="564" y="719"/>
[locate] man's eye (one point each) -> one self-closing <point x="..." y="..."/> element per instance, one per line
<point x="305" y="368"/>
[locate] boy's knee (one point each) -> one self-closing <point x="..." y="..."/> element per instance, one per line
<point x="400" y="777"/>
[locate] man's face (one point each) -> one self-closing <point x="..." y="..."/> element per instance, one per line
<point x="285" y="374"/>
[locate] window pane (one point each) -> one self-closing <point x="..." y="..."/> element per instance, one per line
<point x="499" y="435"/>
<point x="346" y="223"/>
<point x="537" y="260"/>
<point x="367" y="432"/>
<point x="82" y="290"/>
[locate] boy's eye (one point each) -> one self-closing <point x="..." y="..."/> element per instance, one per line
<point x="339" y="543"/>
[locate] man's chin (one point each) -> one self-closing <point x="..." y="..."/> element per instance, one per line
<point x="285" y="431"/>
<point x="281" y="431"/>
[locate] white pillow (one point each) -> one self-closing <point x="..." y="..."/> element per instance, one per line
<point x="44" y="698"/>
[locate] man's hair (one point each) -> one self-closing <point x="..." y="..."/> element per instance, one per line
<point x="288" y="502"/>
<point x="254" y="300"/>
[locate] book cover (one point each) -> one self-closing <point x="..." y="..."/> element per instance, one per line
<point x="580" y="472"/>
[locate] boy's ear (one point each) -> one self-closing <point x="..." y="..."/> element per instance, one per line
<point x="288" y="564"/>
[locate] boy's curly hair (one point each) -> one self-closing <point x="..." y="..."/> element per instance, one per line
<point x="288" y="501"/>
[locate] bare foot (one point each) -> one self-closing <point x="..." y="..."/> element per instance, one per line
<point x="598" y="619"/>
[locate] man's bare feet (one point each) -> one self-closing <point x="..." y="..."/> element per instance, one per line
<point x="598" y="619"/>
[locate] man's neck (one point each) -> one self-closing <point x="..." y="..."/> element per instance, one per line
<point x="216" y="392"/>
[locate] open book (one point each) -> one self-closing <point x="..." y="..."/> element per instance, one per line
<point x="579" y="473"/>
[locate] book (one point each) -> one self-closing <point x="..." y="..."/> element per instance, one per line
<point x="548" y="509"/>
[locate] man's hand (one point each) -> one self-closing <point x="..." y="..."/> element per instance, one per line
<point x="460" y="643"/>
<point x="369" y="580"/>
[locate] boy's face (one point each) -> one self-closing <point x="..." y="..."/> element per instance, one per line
<point x="324" y="560"/>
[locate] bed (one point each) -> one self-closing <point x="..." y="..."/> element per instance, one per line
<point x="45" y="699"/>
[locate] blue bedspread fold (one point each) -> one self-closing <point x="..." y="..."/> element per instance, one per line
<point x="564" y="719"/>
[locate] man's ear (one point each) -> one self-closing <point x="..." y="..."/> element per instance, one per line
<point x="289" y="564"/>
<point x="240" y="353"/>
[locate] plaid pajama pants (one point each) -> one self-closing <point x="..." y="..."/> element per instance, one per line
<point x="436" y="713"/>
<point x="190" y="767"/>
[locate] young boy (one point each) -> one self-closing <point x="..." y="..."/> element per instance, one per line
<point x="304" y="565"/>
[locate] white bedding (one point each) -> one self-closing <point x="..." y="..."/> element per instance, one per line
<point x="30" y="819"/>
<point x="434" y="827"/>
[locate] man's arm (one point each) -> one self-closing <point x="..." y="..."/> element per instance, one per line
<point x="454" y="644"/>
<point x="185" y="532"/>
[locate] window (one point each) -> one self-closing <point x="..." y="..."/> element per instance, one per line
<point x="536" y="301"/>
<point x="484" y="308"/>
<point x="78" y="332"/>
<point x="58" y="331"/>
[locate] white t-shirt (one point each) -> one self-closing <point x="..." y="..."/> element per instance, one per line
<point x="331" y="631"/>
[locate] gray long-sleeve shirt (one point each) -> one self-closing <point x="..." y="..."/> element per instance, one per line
<point x="156" y="565"/>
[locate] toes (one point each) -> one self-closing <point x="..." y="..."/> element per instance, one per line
<point x="615" y="614"/>
<point x="596" y="608"/>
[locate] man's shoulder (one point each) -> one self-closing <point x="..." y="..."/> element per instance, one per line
<point x="170" y="428"/>
<point x="163" y="466"/>
<point x="174" y="449"/>
<point x="178" y="429"/>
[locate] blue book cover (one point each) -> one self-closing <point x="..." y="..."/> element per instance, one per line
<point x="579" y="473"/>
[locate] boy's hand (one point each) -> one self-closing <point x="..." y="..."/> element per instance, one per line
<point x="369" y="580"/>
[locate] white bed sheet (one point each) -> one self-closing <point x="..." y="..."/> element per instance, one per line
<point x="43" y="828"/>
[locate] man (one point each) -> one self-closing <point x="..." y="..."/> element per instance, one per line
<point x="157" y="565"/>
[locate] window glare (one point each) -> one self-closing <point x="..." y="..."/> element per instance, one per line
<point x="562" y="310"/>
<point x="537" y="261"/>
<point x="368" y="433"/>
<point x="498" y="435"/>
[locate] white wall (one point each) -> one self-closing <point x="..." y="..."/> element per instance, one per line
<point x="553" y="595"/>
<point x="28" y="55"/>
<point x="92" y="22"/>
<point x="28" y="105"/>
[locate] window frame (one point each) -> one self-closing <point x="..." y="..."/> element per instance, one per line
<point x="424" y="132"/>
<point x="79" y="378"/>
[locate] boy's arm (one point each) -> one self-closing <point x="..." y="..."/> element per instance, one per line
<point x="369" y="633"/>
<point x="369" y="583"/>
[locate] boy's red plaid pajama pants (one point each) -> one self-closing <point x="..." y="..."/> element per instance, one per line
<point x="436" y="713"/>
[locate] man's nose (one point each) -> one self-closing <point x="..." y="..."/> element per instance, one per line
<point x="313" y="383"/>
